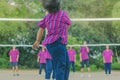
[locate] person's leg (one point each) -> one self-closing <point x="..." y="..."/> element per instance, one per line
<point x="16" y="68"/>
<point x="88" y="65"/>
<point x="13" y="68"/>
<point x="40" y="68"/>
<point x="53" y="71"/>
<point x="70" y="63"/>
<point x="109" y="67"/>
<point x="60" y="58"/>
<point x="82" y="66"/>
<point x="73" y="66"/>
<point x="67" y="70"/>
<point x="105" y="68"/>
<point x="62" y="63"/>
<point x="48" y="69"/>
<point x="44" y="66"/>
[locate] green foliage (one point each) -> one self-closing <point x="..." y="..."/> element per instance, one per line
<point x="116" y="66"/>
<point x="12" y="32"/>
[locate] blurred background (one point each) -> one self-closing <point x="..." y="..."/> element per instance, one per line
<point x="94" y="32"/>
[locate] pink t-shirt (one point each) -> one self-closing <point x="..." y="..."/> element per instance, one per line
<point x="48" y="56"/>
<point x="14" y="54"/>
<point x="107" y="54"/>
<point x="71" y="54"/>
<point x="57" y="25"/>
<point x="42" y="55"/>
<point x="84" y="53"/>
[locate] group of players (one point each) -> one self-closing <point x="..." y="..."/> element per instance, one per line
<point x="45" y="60"/>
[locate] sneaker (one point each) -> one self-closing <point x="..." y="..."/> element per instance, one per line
<point x="81" y="75"/>
<point x="89" y="75"/>
<point x="17" y="74"/>
<point x="107" y="74"/>
<point x="14" y="75"/>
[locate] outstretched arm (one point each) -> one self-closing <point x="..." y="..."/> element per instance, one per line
<point x="38" y="38"/>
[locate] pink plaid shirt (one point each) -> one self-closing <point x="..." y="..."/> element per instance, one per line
<point x="57" y="25"/>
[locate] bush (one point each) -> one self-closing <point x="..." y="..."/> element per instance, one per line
<point x="4" y="63"/>
<point x="116" y="66"/>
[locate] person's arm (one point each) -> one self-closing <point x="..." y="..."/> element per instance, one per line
<point x="80" y="57"/>
<point x="10" y="59"/>
<point x="38" y="38"/>
<point x="112" y="56"/>
<point x="87" y="49"/>
<point x="103" y="59"/>
<point x="17" y="58"/>
<point x="111" y="59"/>
<point x="75" y="57"/>
<point x="38" y="58"/>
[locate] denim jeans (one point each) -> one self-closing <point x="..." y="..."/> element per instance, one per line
<point x="42" y="65"/>
<point x="49" y="69"/>
<point x="60" y="58"/>
<point x="107" y="67"/>
<point x="73" y="65"/>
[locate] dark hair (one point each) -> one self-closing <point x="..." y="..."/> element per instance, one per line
<point x="51" y="5"/>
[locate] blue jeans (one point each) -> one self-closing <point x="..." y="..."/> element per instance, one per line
<point x="60" y="58"/>
<point x="42" y="65"/>
<point x="49" y="69"/>
<point x="107" y="67"/>
<point x="73" y="65"/>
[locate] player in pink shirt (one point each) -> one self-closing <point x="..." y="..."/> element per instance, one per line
<point x="14" y="58"/>
<point x="107" y="59"/>
<point x="42" y="60"/>
<point x="72" y="57"/>
<point x="57" y="23"/>
<point x="84" y="57"/>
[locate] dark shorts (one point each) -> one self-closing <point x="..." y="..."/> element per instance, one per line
<point x="14" y="63"/>
<point x="85" y="62"/>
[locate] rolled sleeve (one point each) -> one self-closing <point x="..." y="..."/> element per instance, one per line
<point x="66" y="18"/>
<point x="41" y="23"/>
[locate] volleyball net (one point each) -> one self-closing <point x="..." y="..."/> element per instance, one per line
<point x="96" y="48"/>
<point x="73" y="19"/>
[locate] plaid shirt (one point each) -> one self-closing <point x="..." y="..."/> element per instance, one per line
<point x="57" y="25"/>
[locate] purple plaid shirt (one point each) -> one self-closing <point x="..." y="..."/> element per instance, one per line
<point x="57" y="25"/>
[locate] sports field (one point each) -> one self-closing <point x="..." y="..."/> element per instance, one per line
<point x="33" y="75"/>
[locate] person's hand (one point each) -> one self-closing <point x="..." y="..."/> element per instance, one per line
<point x="80" y="60"/>
<point x="103" y="61"/>
<point x="37" y="61"/>
<point x="75" y="61"/>
<point x="36" y="44"/>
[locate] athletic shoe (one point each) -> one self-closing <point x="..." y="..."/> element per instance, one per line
<point x="17" y="74"/>
<point x="89" y="75"/>
<point x="14" y="75"/>
<point x="81" y="75"/>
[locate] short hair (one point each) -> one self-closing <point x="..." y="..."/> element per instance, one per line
<point x="51" y="5"/>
